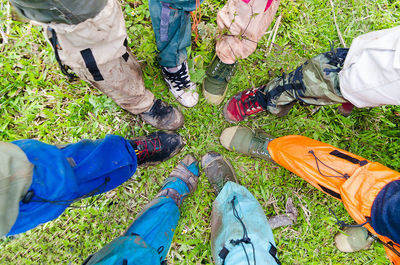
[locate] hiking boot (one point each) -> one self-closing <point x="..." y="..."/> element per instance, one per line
<point x="163" y="116"/>
<point x="215" y="84"/>
<point x="218" y="170"/>
<point x="156" y="147"/>
<point x="178" y="81"/>
<point x="243" y="104"/>
<point x="245" y="141"/>
<point x="182" y="181"/>
<point x="353" y="239"/>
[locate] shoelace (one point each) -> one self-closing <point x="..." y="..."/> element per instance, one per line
<point x="180" y="78"/>
<point x="159" y="109"/>
<point x="245" y="238"/>
<point x="147" y="148"/>
<point x="250" y="103"/>
<point x="225" y="70"/>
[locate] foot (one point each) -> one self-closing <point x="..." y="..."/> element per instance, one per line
<point x="353" y="239"/>
<point x="163" y="116"/>
<point x="245" y="141"/>
<point x="218" y="170"/>
<point x="156" y="147"/>
<point x="178" y="81"/>
<point x="216" y="82"/>
<point x="182" y="181"/>
<point x="244" y="104"/>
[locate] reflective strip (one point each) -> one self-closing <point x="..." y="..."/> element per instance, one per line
<point x="165" y="12"/>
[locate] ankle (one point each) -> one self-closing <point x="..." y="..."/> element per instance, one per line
<point x="178" y="185"/>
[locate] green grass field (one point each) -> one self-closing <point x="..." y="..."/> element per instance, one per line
<point x="37" y="101"/>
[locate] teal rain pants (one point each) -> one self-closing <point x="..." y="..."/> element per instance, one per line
<point x="148" y="239"/>
<point x="172" y="28"/>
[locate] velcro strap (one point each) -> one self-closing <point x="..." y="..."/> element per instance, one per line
<point x="165" y="12"/>
<point x="223" y="253"/>
<point x="171" y="193"/>
<point x="186" y="176"/>
<point x="351" y="159"/>
<point x="272" y="252"/>
<point x="91" y="64"/>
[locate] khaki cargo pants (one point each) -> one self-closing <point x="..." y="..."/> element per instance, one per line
<point x="94" y="46"/>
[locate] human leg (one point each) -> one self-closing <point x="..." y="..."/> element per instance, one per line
<point x="316" y="82"/>
<point x="149" y="238"/>
<point x="95" y="47"/>
<point x="172" y="28"/>
<point x="240" y="233"/>
<point x="241" y="25"/>
<point x="66" y="174"/>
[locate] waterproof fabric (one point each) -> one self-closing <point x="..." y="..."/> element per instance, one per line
<point x="15" y="178"/>
<point x="316" y="82"/>
<point x="242" y="24"/>
<point x="172" y="28"/>
<point x="148" y="239"/>
<point x="226" y="227"/>
<point x="97" y="51"/>
<point x="59" y="11"/>
<point x="345" y="176"/>
<point x="371" y="73"/>
<point x="87" y="167"/>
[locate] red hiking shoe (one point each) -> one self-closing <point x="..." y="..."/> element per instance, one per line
<point x="243" y="104"/>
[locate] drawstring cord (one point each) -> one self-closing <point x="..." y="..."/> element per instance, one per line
<point x="54" y="43"/>
<point x="343" y="223"/>
<point x="196" y="19"/>
<point x="317" y="160"/>
<point x="245" y="239"/>
<point x="99" y="189"/>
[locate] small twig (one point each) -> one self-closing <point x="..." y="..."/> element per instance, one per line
<point x="3" y="35"/>
<point x="277" y="24"/>
<point x="337" y="26"/>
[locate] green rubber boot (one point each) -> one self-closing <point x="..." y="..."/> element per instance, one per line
<point x="245" y="141"/>
<point x="215" y="83"/>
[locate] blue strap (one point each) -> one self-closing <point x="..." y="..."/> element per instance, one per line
<point x="165" y="12"/>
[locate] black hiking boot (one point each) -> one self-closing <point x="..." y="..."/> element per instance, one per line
<point x="156" y="147"/>
<point x="163" y="116"/>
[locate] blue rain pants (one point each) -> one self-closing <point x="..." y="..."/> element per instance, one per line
<point x="62" y="175"/>
<point x="172" y="28"/>
<point x="148" y="239"/>
<point x="240" y="233"/>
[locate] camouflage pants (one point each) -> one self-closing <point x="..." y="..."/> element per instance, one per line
<point x="316" y="82"/>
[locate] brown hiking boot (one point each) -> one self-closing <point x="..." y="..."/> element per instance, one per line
<point x="218" y="170"/>
<point x="163" y="116"/>
<point x="245" y="141"/>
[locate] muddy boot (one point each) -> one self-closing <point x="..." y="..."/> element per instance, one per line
<point x="218" y="170"/>
<point x="353" y="239"/>
<point x="245" y="141"/>
<point x="215" y="83"/>
<point x="156" y="147"/>
<point x="163" y="116"/>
